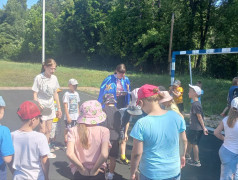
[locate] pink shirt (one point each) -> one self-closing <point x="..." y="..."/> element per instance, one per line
<point x="119" y="87"/>
<point x="88" y="157"/>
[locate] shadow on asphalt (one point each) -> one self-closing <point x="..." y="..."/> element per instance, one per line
<point x="63" y="169"/>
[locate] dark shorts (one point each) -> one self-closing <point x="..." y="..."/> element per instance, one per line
<point x="114" y="151"/>
<point x="194" y="136"/>
<point x="181" y="107"/>
<point x="99" y="176"/>
<point x="72" y="124"/>
<point x="121" y="102"/>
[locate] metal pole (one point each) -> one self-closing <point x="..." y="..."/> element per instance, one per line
<point x="170" y="42"/>
<point x="190" y="70"/>
<point x="43" y="33"/>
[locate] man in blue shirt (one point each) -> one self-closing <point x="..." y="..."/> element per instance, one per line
<point x="6" y="146"/>
<point x="156" y="139"/>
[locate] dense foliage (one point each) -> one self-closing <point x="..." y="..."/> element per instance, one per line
<point x="102" y="33"/>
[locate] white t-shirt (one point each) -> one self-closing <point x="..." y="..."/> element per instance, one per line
<point x="45" y="87"/>
<point x="29" y="148"/>
<point x="72" y="99"/>
<point x="231" y="136"/>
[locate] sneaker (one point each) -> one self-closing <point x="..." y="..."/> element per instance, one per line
<point x="194" y="163"/>
<point x="109" y="176"/>
<point x="51" y="156"/>
<point x="56" y="148"/>
<point x="188" y="157"/>
<point x="125" y="161"/>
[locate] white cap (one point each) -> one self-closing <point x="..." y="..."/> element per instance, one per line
<point x="234" y="103"/>
<point x="134" y="97"/>
<point x="73" y="82"/>
<point x="197" y="89"/>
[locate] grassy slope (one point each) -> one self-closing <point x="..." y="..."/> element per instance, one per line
<point x="14" y="74"/>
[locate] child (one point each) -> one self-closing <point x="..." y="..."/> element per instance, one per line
<point x="88" y="143"/>
<point x="126" y="116"/>
<point x="113" y="123"/>
<point x="169" y="103"/>
<point x="31" y="148"/>
<point x="45" y="92"/>
<point x="55" y="129"/>
<point x="6" y="146"/>
<point x="71" y="106"/>
<point x="229" y="150"/>
<point x="233" y="92"/>
<point x="177" y="93"/>
<point x="197" y="127"/>
<point x="199" y="84"/>
<point x="156" y="139"/>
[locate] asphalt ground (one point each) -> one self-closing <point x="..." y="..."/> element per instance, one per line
<point x="59" y="170"/>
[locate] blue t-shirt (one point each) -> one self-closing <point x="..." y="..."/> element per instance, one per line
<point x="160" y="136"/>
<point x="6" y="145"/>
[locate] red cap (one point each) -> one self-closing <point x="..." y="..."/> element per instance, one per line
<point x="31" y="109"/>
<point x="147" y="90"/>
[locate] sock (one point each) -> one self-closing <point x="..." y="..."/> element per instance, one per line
<point x="123" y="156"/>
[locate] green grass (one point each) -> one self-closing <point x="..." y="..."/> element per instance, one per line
<point x="14" y="74"/>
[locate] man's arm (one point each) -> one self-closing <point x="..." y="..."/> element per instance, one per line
<point x="200" y="119"/>
<point x="45" y="166"/>
<point x="182" y="147"/>
<point x="136" y="154"/>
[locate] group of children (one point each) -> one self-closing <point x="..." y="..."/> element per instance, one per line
<point x="94" y="131"/>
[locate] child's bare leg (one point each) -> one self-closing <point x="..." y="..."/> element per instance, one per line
<point x="123" y="147"/>
<point x="112" y="164"/>
<point x="195" y="152"/>
<point x="189" y="148"/>
<point x="48" y="127"/>
<point x="65" y="136"/>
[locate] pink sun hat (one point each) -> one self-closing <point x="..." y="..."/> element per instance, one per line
<point x="91" y="113"/>
<point x="166" y="97"/>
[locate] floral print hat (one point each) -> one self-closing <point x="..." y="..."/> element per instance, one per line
<point x="91" y="113"/>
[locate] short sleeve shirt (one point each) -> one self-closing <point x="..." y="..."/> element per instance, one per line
<point x="72" y="99"/>
<point x="179" y="99"/>
<point x="196" y="109"/>
<point x="45" y="88"/>
<point x="6" y="146"/>
<point x="29" y="148"/>
<point x="88" y="157"/>
<point x="160" y="136"/>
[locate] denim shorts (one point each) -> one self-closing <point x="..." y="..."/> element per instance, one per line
<point x="229" y="164"/>
<point x="142" y="177"/>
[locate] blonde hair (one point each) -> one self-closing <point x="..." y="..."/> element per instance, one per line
<point x="235" y="81"/>
<point x="232" y="117"/>
<point x="83" y="135"/>
<point x="48" y="63"/>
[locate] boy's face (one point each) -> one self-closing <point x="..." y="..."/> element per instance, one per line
<point x="36" y="121"/>
<point x="191" y="93"/>
<point x="72" y="87"/>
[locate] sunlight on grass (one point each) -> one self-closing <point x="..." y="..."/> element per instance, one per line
<point x="13" y="74"/>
